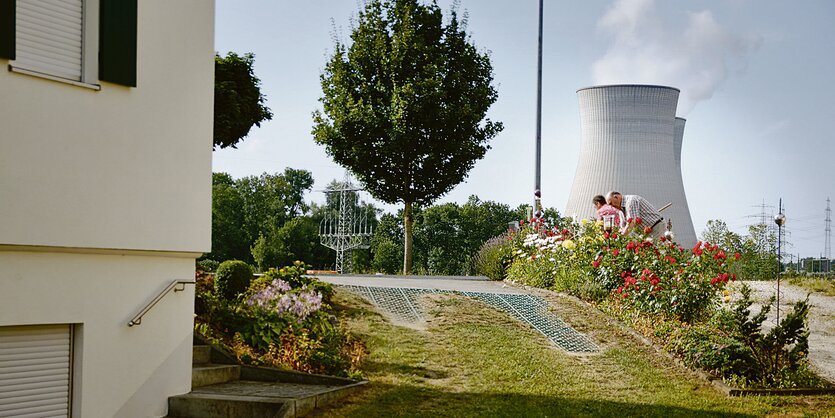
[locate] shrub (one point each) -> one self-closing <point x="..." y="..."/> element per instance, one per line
<point x="232" y="278"/>
<point x="207" y="265"/>
<point x="493" y="258"/>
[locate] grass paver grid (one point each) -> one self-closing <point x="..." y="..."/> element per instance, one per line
<point x="533" y="310"/>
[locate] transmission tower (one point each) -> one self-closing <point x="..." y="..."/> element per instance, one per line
<point x="345" y="231"/>
<point x="828" y="232"/>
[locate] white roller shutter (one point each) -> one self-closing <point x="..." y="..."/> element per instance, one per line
<point x="35" y="370"/>
<point x="49" y="37"/>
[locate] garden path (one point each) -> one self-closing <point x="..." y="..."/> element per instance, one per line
<point x="821" y="320"/>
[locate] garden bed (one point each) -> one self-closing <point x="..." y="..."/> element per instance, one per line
<point x="679" y="298"/>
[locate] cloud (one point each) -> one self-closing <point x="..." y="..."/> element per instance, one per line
<point x="646" y="49"/>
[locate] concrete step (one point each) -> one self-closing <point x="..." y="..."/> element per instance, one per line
<point x="210" y="374"/>
<point x="213" y="405"/>
<point x="200" y="354"/>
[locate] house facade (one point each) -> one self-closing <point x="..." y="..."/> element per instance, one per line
<point x="105" y="200"/>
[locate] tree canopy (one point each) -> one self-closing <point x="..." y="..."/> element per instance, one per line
<point x="239" y="103"/>
<point x="404" y="105"/>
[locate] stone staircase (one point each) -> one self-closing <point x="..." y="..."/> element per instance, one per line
<point x="222" y="389"/>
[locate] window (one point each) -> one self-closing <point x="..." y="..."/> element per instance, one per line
<point x="36" y="371"/>
<point x="80" y="41"/>
<point x="49" y="37"/>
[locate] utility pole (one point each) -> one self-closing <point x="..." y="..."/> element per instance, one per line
<point x="537" y="208"/>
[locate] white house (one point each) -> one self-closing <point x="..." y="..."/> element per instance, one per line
<point x="105" y="200"/>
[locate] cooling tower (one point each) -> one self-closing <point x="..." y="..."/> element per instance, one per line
<point x="631" y="142"/>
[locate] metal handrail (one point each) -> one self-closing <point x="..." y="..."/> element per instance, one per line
<point x="174" y="285"/>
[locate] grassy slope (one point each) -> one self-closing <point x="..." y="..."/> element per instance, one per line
<point x="474" y="361"/>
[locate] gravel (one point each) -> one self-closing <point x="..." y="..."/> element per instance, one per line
<point x="821" y="321"/>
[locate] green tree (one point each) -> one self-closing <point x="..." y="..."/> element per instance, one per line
<point x="404" y="105"/>
<point x="239" y="103"/>
<point x="717" y="232"/>
<point x="229" y="239"/>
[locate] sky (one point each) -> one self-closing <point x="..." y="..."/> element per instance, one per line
<point x="757" y="81"/>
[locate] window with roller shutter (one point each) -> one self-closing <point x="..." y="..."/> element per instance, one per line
<point x="56" y="39"/>
<point x="35" y="371"/>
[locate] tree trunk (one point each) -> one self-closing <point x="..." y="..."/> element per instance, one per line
<point x="407" y="238"/>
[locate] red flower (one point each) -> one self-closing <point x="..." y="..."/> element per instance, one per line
<point x="615" y="252"/>
<point x="595" y="264"/>
<point x="737" y="256"/>
<point x="629" y="220"/>
<point x="521" y="222"/>
<point x="614" y="235"/>
<point x="720" y="255"/>
<point x="630" y="246"/>
<point x="638" y="221"/>
<point x="662" y="238"/>
<point x="647" y="229"/>
<point x="670" y="259"/>
<point x="606" y="235"/>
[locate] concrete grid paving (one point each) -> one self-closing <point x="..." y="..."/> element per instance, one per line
<point x="398" y="297"/>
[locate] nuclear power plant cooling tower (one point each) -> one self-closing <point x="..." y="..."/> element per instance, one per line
<point x="631" y="143"/>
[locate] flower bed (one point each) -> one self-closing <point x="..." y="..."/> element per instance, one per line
<point x="677" y="297"/>
<point x="283" y="319"/>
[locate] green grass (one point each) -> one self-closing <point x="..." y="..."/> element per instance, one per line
<point x="473" y="361"/>
<point x="822" y="285"/>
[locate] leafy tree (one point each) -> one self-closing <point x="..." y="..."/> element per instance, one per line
<point x="717" y="232"/>
<point x="248" y="213"/>
<point x="239" y="103"/>
<point x="404" y="105"/>
<point x="229" y="240"/>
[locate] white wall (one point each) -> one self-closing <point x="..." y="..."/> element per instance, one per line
<point x="124" y="371"/>
<point x="120" y="168"/>
<point x="105" y="198"/>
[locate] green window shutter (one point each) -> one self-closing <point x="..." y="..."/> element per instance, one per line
<point x="117" y="41"/>
<point x="7" y="29"/>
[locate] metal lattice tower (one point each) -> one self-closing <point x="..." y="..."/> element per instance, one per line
<point x="346" y="231"/>
<point x="828" y="232"/>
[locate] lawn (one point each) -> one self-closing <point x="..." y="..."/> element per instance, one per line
<point x="471" y="360"/>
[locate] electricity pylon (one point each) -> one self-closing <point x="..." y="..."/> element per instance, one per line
<point x="345" y="231"/>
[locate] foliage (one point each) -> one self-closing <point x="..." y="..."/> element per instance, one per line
<point x="249" y="216"/>
<point x="493" y="258"/>
<point x="207" y="265"/>
<point x="733" y="345"/>
<point x="404" y="105"/>
<point x="229" y="238"/>
<point x="387" y="257"/>
<point x="671" y="294"/>
<point x="232" y="278"/>
<point x="758" y="248"/>
<point x="239" y="103"/>
<point x="284" y="319"/>
<point x="653" y="277"/>
<point x="825" y="286"/>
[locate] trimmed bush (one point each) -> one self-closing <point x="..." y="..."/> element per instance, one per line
<point x="232" y="278"/>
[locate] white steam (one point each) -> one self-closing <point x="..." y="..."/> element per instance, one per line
<point x="696" y="59"/>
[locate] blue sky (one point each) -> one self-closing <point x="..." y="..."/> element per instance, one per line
<point x="756" y="79"/>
